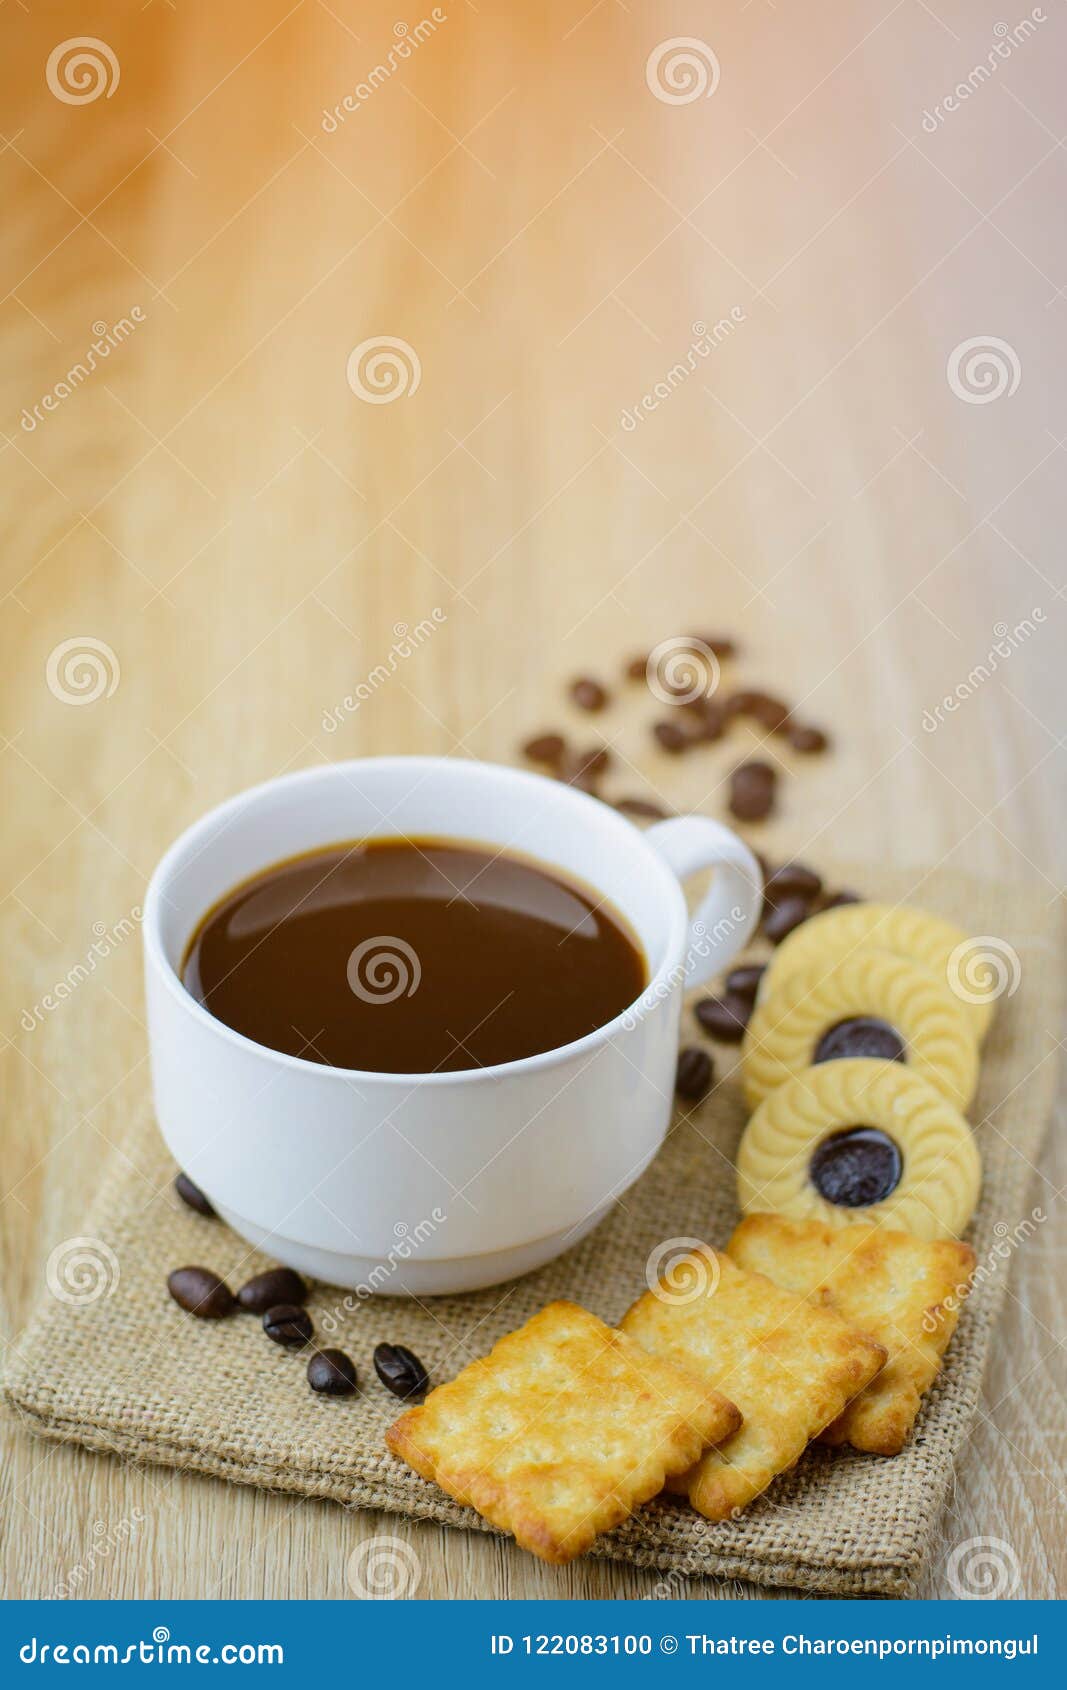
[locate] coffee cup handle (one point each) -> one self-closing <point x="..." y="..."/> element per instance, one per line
<point x="728" y="914"/>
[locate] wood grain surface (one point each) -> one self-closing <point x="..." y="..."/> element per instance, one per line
<point x="237" y="536"/>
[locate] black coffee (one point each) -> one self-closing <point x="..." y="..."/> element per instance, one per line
<point x="413" y="957"/>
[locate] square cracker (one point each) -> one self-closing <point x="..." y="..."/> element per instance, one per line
<point x="790" y="1368"/>
<point x="906" y="1292"/>
<point x="562" y="1430"/>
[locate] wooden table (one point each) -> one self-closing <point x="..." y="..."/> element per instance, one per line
<point x="666" y="364"/>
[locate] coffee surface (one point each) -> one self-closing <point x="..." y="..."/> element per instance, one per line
<point x="413" y="957"/>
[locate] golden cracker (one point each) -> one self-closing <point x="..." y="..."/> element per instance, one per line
<point x="905" y="1291"/>
<point x="562" y="1430"/>
<point x="790" y="1368"/>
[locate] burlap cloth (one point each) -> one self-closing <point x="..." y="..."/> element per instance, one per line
<point x="130" y="1373"/>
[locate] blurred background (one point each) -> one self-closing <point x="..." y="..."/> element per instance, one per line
<point x="489" y="344"/>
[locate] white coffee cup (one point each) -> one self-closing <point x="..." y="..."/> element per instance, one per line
<point x="440" y="1182"/>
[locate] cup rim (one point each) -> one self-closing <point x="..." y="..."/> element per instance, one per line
<point x="656" y="989"/>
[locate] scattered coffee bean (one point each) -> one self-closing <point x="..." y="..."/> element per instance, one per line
<point x="752" y="791"/>
<point x="807" y="739"/>
<point x="694" y="1073"/>
<point x="641" y="807"/>
<point x="267" y="1290"/>
<point x="332" y="1373"/>
<point x="764" y="865"/>
<point x="793" y="879"/>
<point x="786" y="915"/>
<point x="710" y="718"/>
<point x="193" y="1196"/>
<point x="744" y="982"/>
<point x="769" y="711"/>
<point x="717" y="643"/>
<point x="637" y="668"/>
<point x="738" y="704"/>
<point x="833" y="900"/>
<point x="288" y="1324"/>
<point x="201" y="1292"/>
<point x="671" y="736"/>
<point x="545" y="748"/>
<point x="400" y="1371"/>
<point x="595" y="758"/>
<point x="588" y="694"/>
<point x="725" y="1018"/>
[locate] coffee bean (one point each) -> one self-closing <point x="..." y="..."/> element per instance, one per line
<point x="288" y="1324"/>
<point x="763" y="707"/>
<point x="545" y="748"/>
<point x="267" y="1290"/>
<point x="833" y="900"/>
<point x="584" y="779"/>
<point x="710" y="719"/>
<point x="637" y="669"/>
<point x="752" y="791"/>
<point x="595" y="759"/>
<point x="744" y="982"/>
<point x="807" y="739"/>
<point x="725" y="1018"/>
<point x="201" y="1292"/>
<point x="193" y="1196"/>
<point x="793" y="879"/>
<point x="769" y="711"/>
<point x="786" y="915"/>
<point x="400" y="1371"/>
<point x="640" y="807"/>
<point x="332" y="1373"/>
<point x="671" y="736"/>
<point x="694" y="1073"/>
<point x="717" y="643"/>
<point x="588" y="694"/>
